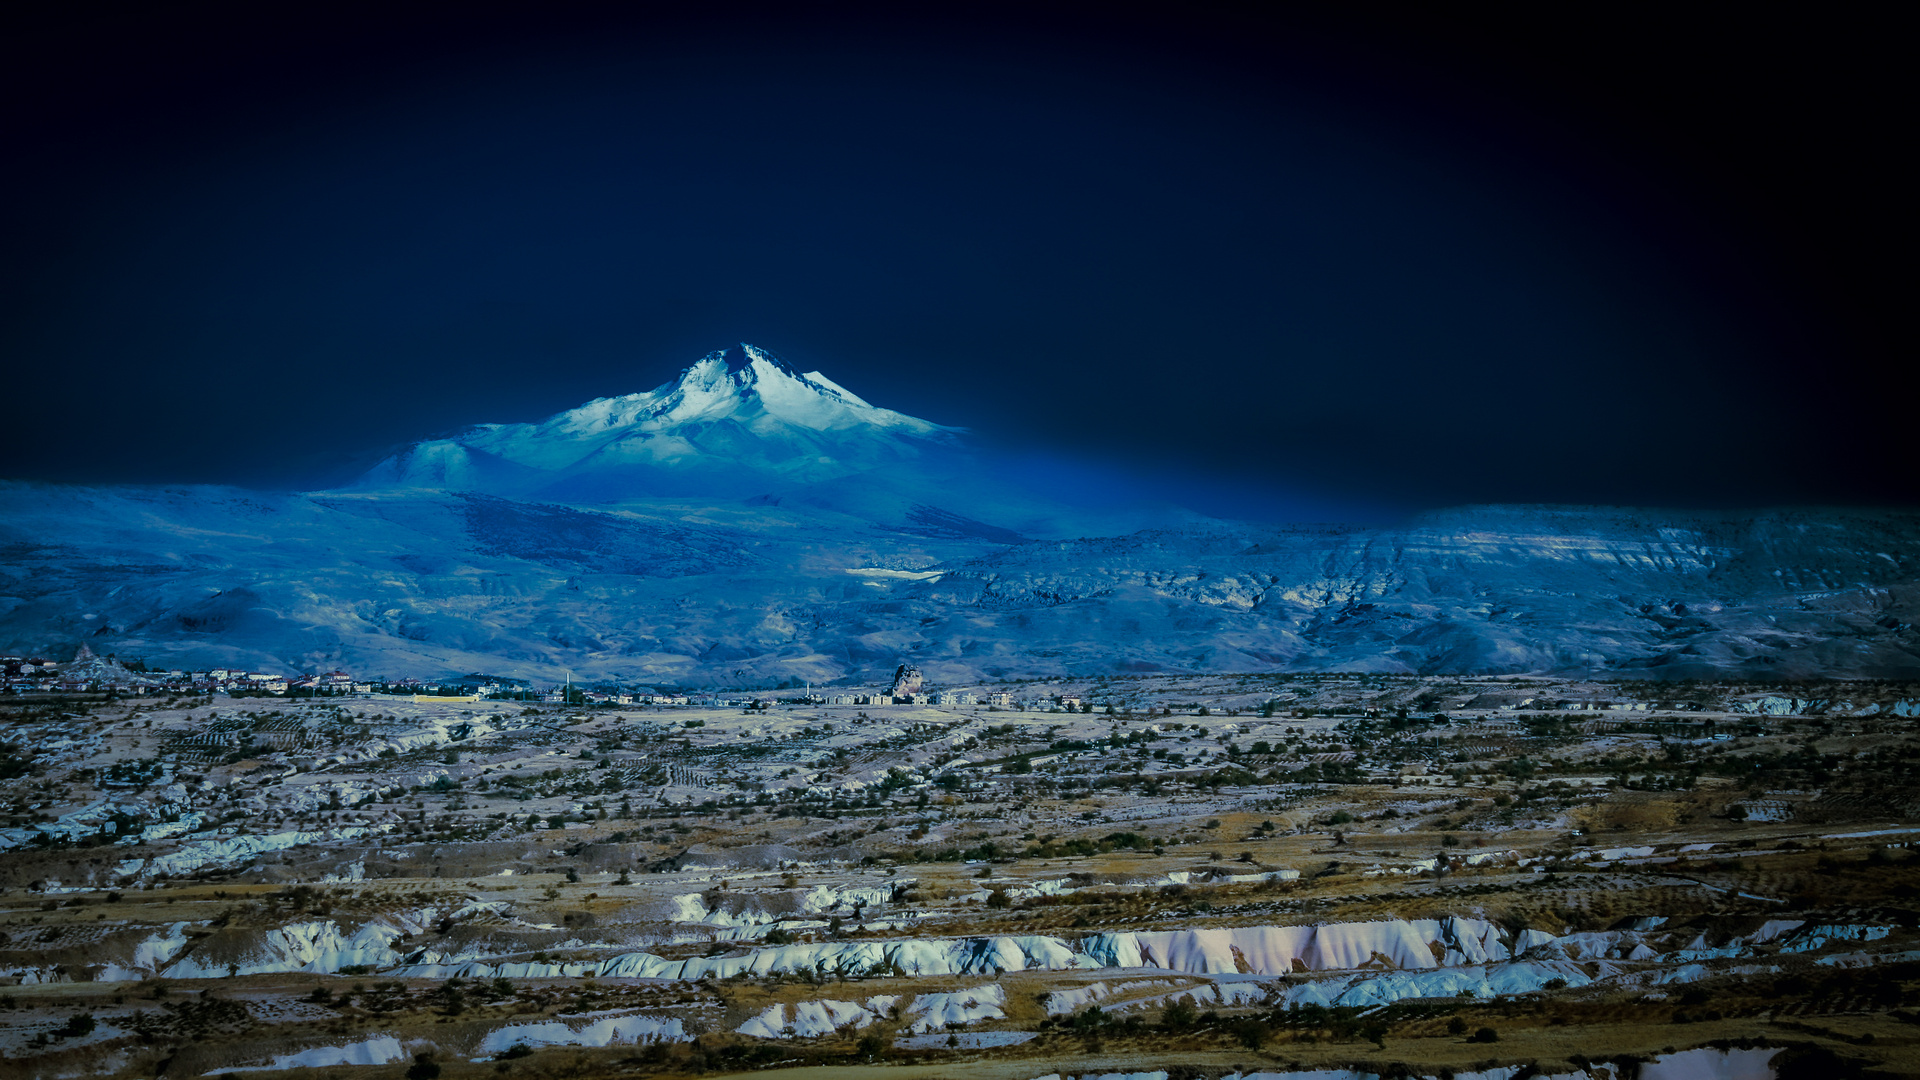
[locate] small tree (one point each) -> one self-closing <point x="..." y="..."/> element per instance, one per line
<point x="77" y="1025"/>
<point x="453" y="997"/>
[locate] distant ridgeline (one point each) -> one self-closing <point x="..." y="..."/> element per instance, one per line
<point x="759" y="526"/>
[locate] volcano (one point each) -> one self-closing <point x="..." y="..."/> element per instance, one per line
<point x="718" y="430"/>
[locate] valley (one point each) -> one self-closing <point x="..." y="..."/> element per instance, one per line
<point x="802" y="735"/>
<point x="1234" y="873"/>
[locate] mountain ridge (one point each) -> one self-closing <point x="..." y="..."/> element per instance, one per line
<point x="718" y="548"/>
<point x="434" y="582"/>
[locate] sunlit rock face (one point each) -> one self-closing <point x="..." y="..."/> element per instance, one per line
<point x="906" y="680"/>
<point x="751" y="525"/>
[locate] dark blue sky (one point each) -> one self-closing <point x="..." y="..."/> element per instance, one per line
<point x="1379" y="257"/>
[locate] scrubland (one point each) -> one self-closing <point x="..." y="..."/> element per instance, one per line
<point x="1196" y="876"/>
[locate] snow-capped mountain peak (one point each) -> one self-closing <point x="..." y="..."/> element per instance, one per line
<point x="763" y="416"/>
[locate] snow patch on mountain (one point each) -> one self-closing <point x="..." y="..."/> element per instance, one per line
<point x="764" y="417"/>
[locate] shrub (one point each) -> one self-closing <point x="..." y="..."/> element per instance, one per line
<point x="77" y="1025"/>
<point x="1092" y="1017"/>
<point x="1179" y="1016"/>
<point x="1484" y="1035"/>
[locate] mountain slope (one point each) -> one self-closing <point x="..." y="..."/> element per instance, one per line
<point x="1493" y="589"/>
<point x="431" y="583"/>
<point x="758" y="525"/>
<point x="714" y="430"/>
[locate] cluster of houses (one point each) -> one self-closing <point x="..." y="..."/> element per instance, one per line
<point x="22" y="673"/>
<point x="601" y="697"/>
<point x="31" y="674"/>
<point x="88" y="672"/>
<point x="944" y="698"/>
<point x="909" y="689"/>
